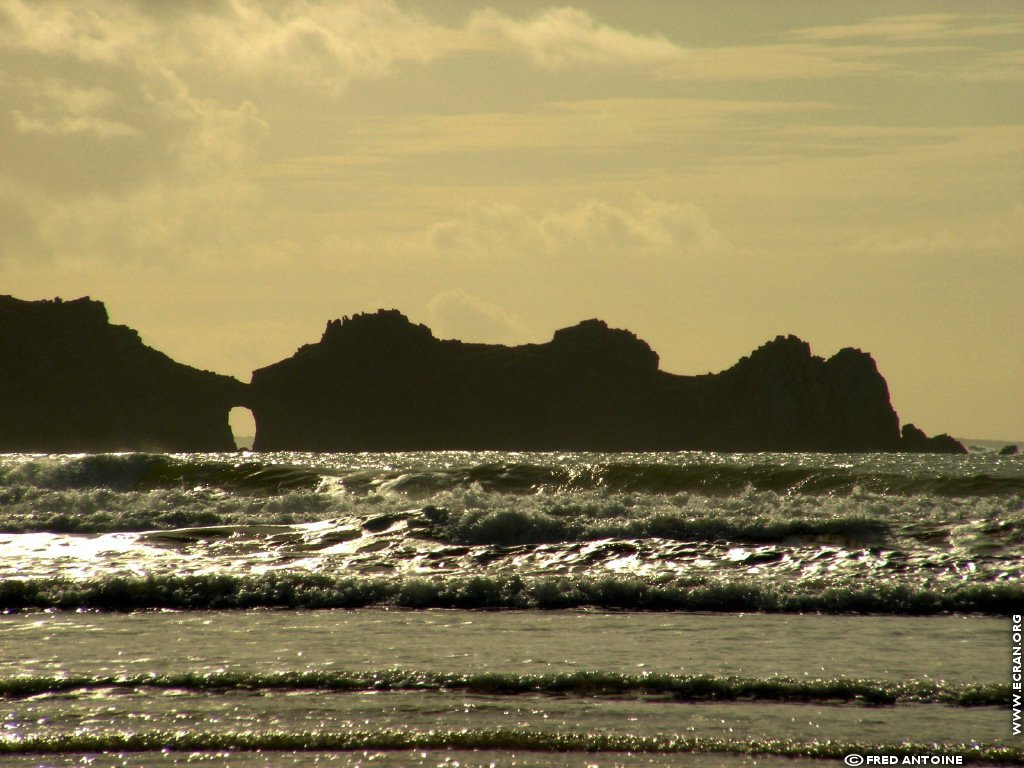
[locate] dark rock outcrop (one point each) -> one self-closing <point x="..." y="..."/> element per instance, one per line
<point x="916" y="441"/>
<point x="379" y="382"/>
<point x="70" y="381"/>
<point x="1009" y="450"/>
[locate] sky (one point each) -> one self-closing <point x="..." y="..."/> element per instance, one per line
<point x="228" y="175"/>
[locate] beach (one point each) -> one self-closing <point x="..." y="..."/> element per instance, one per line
<point x="507" y="609"/>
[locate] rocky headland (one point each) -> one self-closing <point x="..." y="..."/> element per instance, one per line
<point x="378" y="382"/>
<point x="70" y="382"/>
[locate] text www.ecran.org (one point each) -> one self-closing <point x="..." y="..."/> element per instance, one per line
<point x="1015" y="672"/>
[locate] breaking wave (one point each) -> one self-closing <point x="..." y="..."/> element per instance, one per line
<point x="474" y="517"/>
<point x="317" y="590"/>
<point x="574" y="522"/>
<point x="711" y="474"/>
<point x="481" y="739"/>
<point x="678" y="687"/>
<point x="146" y="471"/>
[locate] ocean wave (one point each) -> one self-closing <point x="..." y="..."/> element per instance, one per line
<point x="591" y="684"/>
<point x="517" y="525"/>
<point x="672" y="474"/>
<point x="102" y="510"/>
<point x="473" y="516"/>
<point x="481" y="739"/>
<point x="318" y="590"/>
<point x="721" y="479"/>
<point x="147" y="471"/>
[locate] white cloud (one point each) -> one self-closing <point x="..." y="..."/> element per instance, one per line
<point x="592" y="231"/>
<point x="304" y="43"/>
<point x="457" y="315"/>
<point x="63" y="109"/>
<point x="325" y="44"/>
<point x="182" y="186"/>
<point x="134" y="128"/>
<point x="561" y="37"/>
<point x="157" y="88"/>
<point x="307" y="44"/>
<point x="76" y="101"/>
<point x="100" y="33"/>
<point x="166" y="172"/>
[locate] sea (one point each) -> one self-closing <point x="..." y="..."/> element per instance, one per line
<point x="509" y="609"/>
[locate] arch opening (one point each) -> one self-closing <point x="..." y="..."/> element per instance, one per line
<point x="243" y="427"/>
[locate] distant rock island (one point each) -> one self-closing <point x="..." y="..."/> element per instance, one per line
<point x="378" y="382"/>
<point x="72" y="382"/>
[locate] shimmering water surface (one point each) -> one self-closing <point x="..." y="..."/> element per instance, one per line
<point x="506" y="609"/>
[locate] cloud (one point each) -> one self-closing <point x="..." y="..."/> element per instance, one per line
<point x="592" y="231"/>
<point x="561" y="37"/>
<point x="882" y="45"/>
<point x="457" y="315"/>
<point x="166" y="176"/>
<point x="952" y="40"/>
<point x="62" y="109"/>
<point x="320" y="45"/>
<point x="787" y="61"/>
<point x="137" y="129"/>
<point x="67" y="125"/>
<point x="109" y="148"/>
<point x="132" y="127"/>
<point x="301" y="42"/>
<point x="101" y="33"/>
<point x="999" y="233"/>
<point x="305" y="43"/>
<point x="927" y="26"/>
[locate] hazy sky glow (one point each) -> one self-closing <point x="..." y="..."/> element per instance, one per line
<point x="229" y="175"/>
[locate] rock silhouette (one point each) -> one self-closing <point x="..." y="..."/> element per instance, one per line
<point x="70" y="381"/>
<point x="378" y="382"/>
<point x="915" y="440"/>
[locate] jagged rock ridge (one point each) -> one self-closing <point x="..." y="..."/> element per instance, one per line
<point x="377" y="381"/>
<point x="70" y="381"/>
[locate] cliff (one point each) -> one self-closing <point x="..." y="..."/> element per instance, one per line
<point x="70" y="381"/>
<point x="379" y="382"/>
